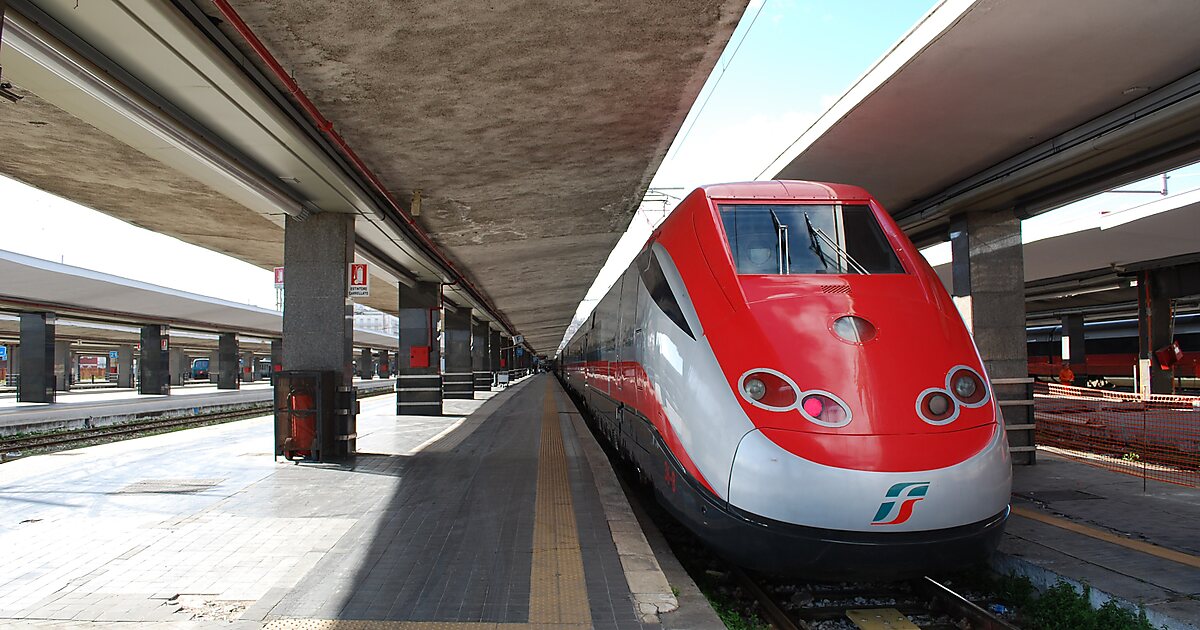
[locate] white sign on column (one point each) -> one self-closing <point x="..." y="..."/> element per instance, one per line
<point x="360" y="284"/>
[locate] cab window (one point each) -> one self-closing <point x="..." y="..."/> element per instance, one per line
<point x="807" y="239"/>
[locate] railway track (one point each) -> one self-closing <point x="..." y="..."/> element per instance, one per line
<point x="13" y="448"/>
<point x="923" y="604"/>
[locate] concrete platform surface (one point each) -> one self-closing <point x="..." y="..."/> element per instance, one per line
<point x="1127" y="540"/>
<point x="487" y="517"/>
<point x="100" y="408"/>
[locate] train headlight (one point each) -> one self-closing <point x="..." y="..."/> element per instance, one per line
<point x="936" y="407"/>
<point x="754" y="388"/>
<point x="768" y="389"/>
<point x="967" y="386"/>
<point x="853" y="329"/>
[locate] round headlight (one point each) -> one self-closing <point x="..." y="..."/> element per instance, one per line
<point x="939" y="404"/>
<point x="964" y="386"/>
<point x="967" y="386"/>
<point x="755" y="388"/>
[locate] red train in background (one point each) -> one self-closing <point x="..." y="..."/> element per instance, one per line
<point x="787" y="370"/>
<point x="1111" y="352"/>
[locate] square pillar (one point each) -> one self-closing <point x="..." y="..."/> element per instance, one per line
<point x="385" y="364"/>
<point x="37" y="358"/>
<point x="62" y="366"/>
<point x="366" y="364"/>
<point x="276" y="357"/>
<point x="458" y="381"/>
<point x="214" y="364"/>
<point x="480" y="364"/>
<point x="229" y="373"/>
<point x="989" y="290"/>
<point x="125" y="367"/>
<point x="1154" y="332"/>
<point x="154" y="373"/>
<point x="249" y="369"/>
<point x="318" y="316"/>
<point x="418" y="362"/>
<point x="1071" y="351"/>
<point x="179" y="367"/>
<point x="494" y="352"/>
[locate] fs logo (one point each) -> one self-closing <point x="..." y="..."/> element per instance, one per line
<point x="906" y="495"/>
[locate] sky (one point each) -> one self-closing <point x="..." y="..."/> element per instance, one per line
<point x="786" y="63"/>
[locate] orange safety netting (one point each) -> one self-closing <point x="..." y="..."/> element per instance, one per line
<point x="1156" y="437"/>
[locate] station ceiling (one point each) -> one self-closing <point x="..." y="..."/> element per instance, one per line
<point x="995" y="104"/>
<point x="531" y="131"/>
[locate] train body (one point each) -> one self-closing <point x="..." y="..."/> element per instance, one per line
<point x="786" y="369"/>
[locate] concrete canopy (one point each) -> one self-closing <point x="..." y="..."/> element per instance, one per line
<point x="32" y="284"/>
<point x="1013" y="103"/>
<point x="531" y="131"/>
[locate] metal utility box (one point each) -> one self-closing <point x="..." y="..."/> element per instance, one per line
<point x="304" y="415"/>
<point x="418" y="357"/>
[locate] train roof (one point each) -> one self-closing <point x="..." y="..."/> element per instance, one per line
<point x="785" y="189"/>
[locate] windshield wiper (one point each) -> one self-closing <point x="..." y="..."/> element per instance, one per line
<point x="815" y="233"/>
<point x="781" y="245"/>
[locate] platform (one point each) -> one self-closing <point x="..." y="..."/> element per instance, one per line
<point x="97" y="408"/>
<point x="1092" y="526"/>
<point x="496" y="515"/>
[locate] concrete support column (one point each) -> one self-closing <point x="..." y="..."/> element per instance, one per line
<point x="62" y="366"/>
<point x="276" y="357"/>
<point x="366" y="364"/>
<point x="10" y="366"/>
<point x="479" y="356"/>
<point x="214" y="365"/>
<point x="37" y="358"/>
<point x="1072" y="351"/>
<point x="179" y="366"/>
<point x="385" y="364"/>
<point x="1154" y="332"/>
<point x="458" y="381"/>
<point x="494" y="354"/>
<point x="318" y="317"/>
<point x="228" y="376"/>
<point x="249" y="368"/>
<point x="418" y="362"/>
<point x="154" y="374"/>
<point x="989" y="290"/>
<point x="125" y="367"/>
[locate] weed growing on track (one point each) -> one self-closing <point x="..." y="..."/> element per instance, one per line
<point x="1062" y="607"/>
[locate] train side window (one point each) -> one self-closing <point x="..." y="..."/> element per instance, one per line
<point x="660" y="292"/>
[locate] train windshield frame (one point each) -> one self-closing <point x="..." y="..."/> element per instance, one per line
<point x="807" y="239"/>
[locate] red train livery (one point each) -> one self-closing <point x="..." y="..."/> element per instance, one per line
<point x="790" y="374"/>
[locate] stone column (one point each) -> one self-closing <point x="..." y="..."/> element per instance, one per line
<point x="276" y="357"/>
<point x="418" y="365"/>
<point x="62" y="366"/>
<point x="1071" y="350"/>
<point x="458" y="380"/>
<point x="479" y="356"/>
<point x="385" y="364"/>
<point x="178" y="367"/>
<point x="494" y="354"/>
<point x="214" y="364"/>
<point x="228" y="375"/>
<point x="37" y="358"/>
<point x="366" y="364"/>
<point x="125" y="367"/>
<point x="989" y="290"/>
<point x="154" y="374"/>
<point x="1154" y="331"/>
<point x="249" y="368"/>
<point x="318" y="316"/>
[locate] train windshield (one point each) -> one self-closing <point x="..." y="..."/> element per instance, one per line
<point x="807" y="239"/>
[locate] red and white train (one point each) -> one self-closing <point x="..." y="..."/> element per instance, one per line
<point x="789" y="372"/>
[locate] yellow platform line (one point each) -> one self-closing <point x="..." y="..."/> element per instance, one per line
<point x="557" y="592"/>
<point x="1137" y="545"/>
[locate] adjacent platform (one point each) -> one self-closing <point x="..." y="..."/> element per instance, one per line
<point x="502" y="515"/>
<point x="1091" y="526"/>
<point x="97" y="408"/>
